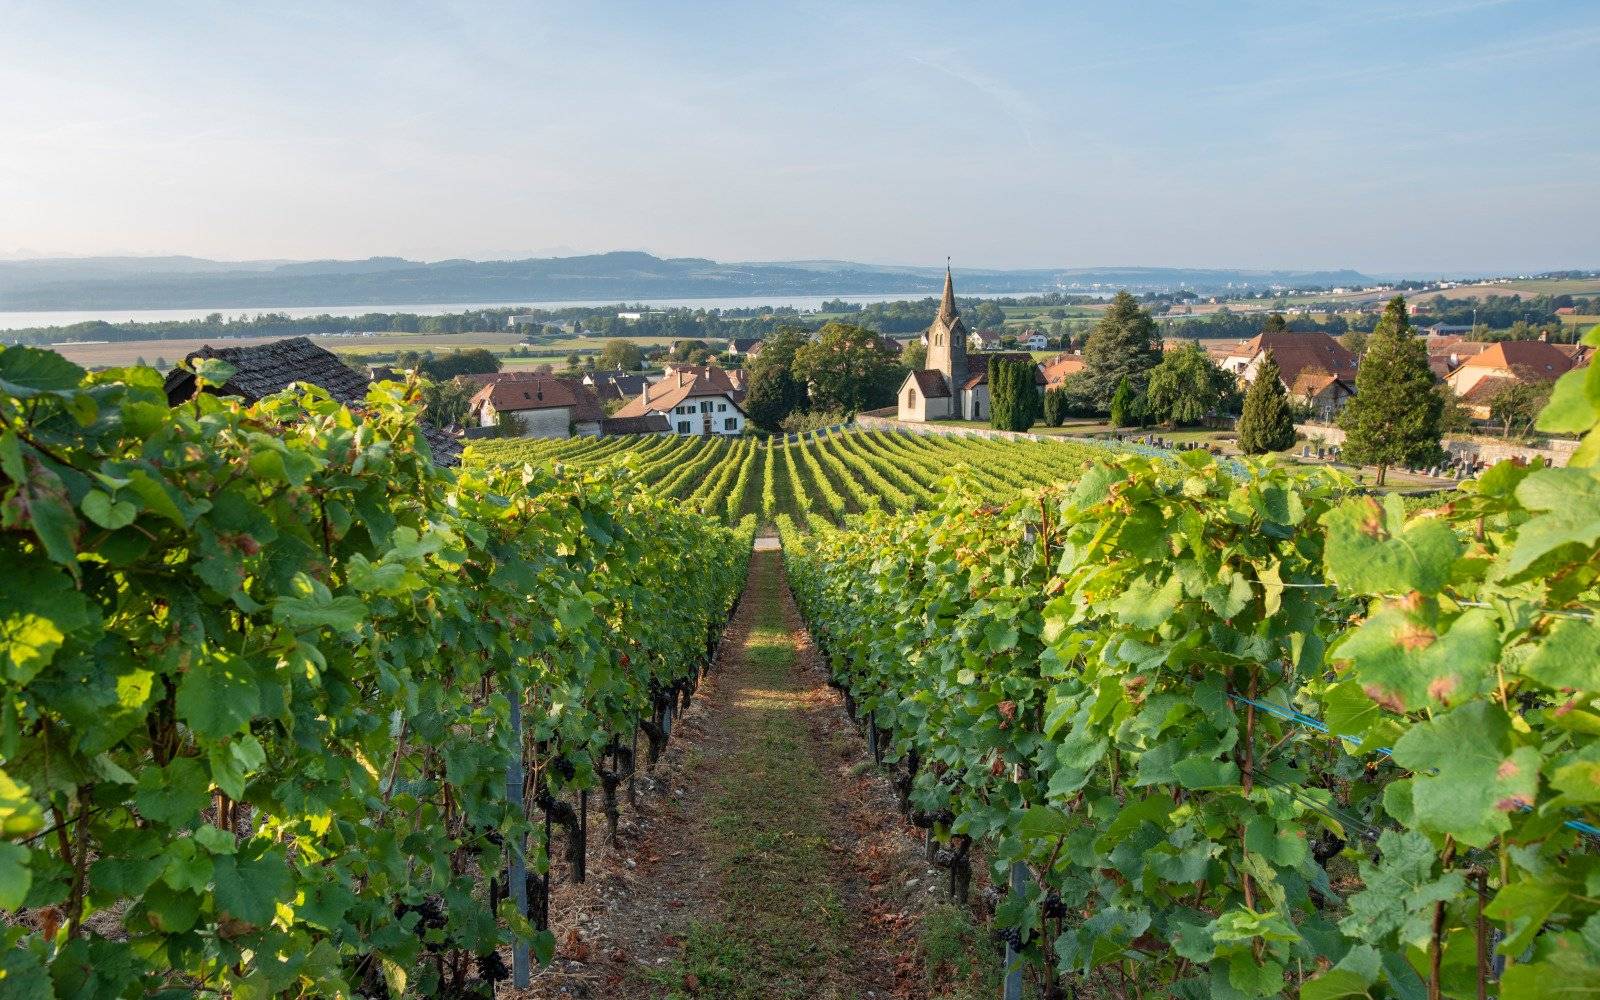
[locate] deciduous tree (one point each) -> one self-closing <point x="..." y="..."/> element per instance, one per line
<point x="1186" y="386"/>
<point x="845" y="369"/>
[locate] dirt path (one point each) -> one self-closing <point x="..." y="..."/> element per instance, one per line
<point x="766" y="857"/>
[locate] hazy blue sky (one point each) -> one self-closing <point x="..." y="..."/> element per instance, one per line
<point x="1444" y="134"/>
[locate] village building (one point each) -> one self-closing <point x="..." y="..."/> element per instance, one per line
<point x="694" y="401"/>
<point x="263" y="369"/>
<point x="1515" y="361"/>
<point x="1315" y="369"/>
<point x="1058" y="369"/>
<point x="1321" y="393"/>
<point x="984" y="341"/>
<point x="955" y="384"/>
<point x="744" y="347"/>
<point x="541" y="406"/>
<point x="1033" y="340"/>
<point x="615" y="386"/>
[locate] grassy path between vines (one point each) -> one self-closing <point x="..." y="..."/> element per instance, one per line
<point x="768" y="859"/>
<point x="787" y="912"/>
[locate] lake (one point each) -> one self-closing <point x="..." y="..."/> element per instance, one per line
<point x="27" y="320"/>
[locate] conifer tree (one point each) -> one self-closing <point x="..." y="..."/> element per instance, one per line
<point x="1395" y="417"/>
<point x="1267" y="423"/>
<point x="1013" y="394"/>
<point x="1122" y="404"/>
<point x="1125" y="344"/>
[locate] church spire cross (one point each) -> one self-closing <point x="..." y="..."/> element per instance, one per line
<point x="947" y="305"/>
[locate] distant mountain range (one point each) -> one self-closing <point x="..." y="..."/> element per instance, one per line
<point x="195" y="283"/>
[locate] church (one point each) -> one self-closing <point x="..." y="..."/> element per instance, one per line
<point x="955" y="384"/>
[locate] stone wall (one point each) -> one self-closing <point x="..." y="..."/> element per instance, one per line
<point x="1470" y="447"/>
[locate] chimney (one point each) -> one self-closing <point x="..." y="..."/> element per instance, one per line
<point x="1544" y="337"/>
<point x="647" y="391"/>
<point x="680" y="378"/>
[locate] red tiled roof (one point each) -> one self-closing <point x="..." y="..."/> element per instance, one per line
<point x="1529" y="359"/>
<point x="978" y="363"/>
<point x="683" y="382"/>
<point x="1296" y="352"/>
<point x="1059" y="367"/>
<point x="519" y="392"/>
<point x="1483" y="392"/>
<point x="931" y="383"/>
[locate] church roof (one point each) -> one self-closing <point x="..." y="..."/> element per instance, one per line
<point x="931" y="383"/>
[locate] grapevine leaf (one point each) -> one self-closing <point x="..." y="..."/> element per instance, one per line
<point x="1371" y="550"/>
<point x="1573" y="408"/>
<point x="1571" y="499"/>
<point x="1401" y="663"/>
<point x="106" y="512"/>
<point x="174" y="794"/>
<point x="249" y="889"/>
<point x="1400" y="890"/>
<point x="218" y="695"/>
<point x="1526" y="905"/>
<point x="1201" y="771"/>
<point x="15" y="876"/>
<point x="1568" y="658"/>
<point x="20" y="815"/>
<point x="1477" y="780"/>
<point x="26" y="372"/>
<point x="338" y="613"/>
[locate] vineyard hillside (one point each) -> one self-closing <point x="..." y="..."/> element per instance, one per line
<point x="826" y="475"/>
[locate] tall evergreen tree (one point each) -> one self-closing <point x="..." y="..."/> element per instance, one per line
<point x="1013" y="394"/>
<point x="1267" y="423"/>
<point x="1395" y="417"/>
<point x="1055" y="406"/>
<point x="1125" y="344"/>
<point x="1122" y="404"/>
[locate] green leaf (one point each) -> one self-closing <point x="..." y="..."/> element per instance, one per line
<point x="1571" y="498"/>
<point x="250" y="890"/>
<point x="20" y="815"/>
<point x="1400" y="891"/>
<point x="338" y="613"/>
<point x="1573" y="408"/>
<point x="1041" y="822"/>
<point x="1146" y="606"/>
<point x="15" y="876"/>
<point x="174" y="794"/>
<point x="1568" y="658"/>
<point x="1468" y="778"/>
<point x="26" y="372"/>
<point x="1401" y="663"/>
<point x="233" y="762"/>
<point x="1201" y="771"/>
<point x="1526" y="905"/>
<point x="107" y="513"/>
<point x="1334" y="984"/>
<point x="1370" y="550"/>
<point x="218" y="695"/>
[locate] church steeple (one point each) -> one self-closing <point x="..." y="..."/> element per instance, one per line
<point x="947" y="305"/>
<point x="947" y="337"/>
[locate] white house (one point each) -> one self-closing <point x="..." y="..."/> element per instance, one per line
<point x="694" y="401"/>
<point x="1034" y="341"/>
<point x="984" y="341"/>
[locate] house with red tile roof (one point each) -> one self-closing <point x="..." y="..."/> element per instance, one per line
<point x="541" y="406"/>
<point x="1518" y="361"/>
<point x="1312" y="366"/>
<point x="694" y="400"/>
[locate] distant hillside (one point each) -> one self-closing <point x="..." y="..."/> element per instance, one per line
<point x="193" y="283"/>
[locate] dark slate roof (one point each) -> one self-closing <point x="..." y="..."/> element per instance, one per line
<point x="263" y="369"/>
<point x="650" y="423"/>
<point x="931" y="382"/>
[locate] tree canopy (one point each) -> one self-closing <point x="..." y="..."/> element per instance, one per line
<point x="623" y="354"/>
<point x="1125" y="344"/>
<point x="1267" y="421"/>
<point x="775" y="391"/>
<point x="1186" y="386"/>
<point x="845" y="369"/>
<point x="1394" y="418"/>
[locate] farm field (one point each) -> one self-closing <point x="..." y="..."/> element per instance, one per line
<point x="825" y="476"/>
